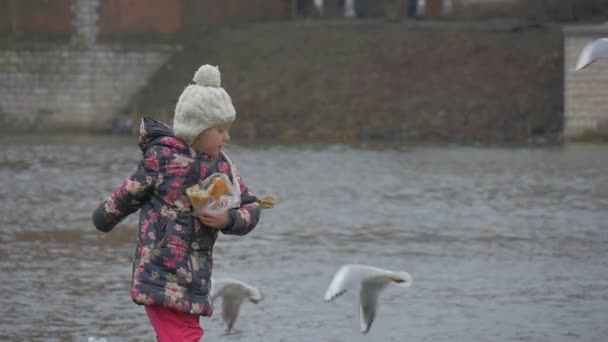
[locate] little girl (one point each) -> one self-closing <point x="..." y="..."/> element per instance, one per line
<point x="174" y="254"/>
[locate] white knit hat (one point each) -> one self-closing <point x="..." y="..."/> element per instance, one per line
<point x="202" y="105"/>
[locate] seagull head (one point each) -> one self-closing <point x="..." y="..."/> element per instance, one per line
<point x="255" y="295"/>
<point x="401" y="278"/>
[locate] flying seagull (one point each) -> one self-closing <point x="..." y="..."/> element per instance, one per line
<point x="233" y="293"/>
<point x="592" y="51"/>
<point x="371" y="280"/>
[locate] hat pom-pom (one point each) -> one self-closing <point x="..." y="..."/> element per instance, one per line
<point x="208" y="76"/>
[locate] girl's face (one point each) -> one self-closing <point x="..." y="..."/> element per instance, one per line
<point x="212" y="140"/>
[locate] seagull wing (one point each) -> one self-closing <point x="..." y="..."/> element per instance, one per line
<point x="349" y="276"/>
<point x="231" y="303"/>
<point x="592" y="51"/>
<point x="231" y="287"/>
<point x="368" y="300"/>
<point x="232" y="292"/>
<point x="216" y="289"/>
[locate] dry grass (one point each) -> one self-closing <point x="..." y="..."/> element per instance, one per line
<point x="374" y="80"/>
<point x="598" y="135"/>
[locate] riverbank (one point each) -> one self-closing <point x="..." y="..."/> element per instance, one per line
<point x="496" y="82"/>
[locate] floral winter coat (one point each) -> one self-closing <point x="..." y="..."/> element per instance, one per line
<point x="173" y="259"/>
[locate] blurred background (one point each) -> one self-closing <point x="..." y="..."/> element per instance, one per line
<point x="448" y="138"/>
<point x="434" y="70"/>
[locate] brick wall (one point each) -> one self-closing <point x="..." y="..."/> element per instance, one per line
<point x="211" y="12"/>
<point x="535" y="10"/>
<point x="19" y="16"/>
<point x="586" y="90"/>
<point x="136" y="16"/>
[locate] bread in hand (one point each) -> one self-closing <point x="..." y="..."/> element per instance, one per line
<point x="198" y="197"/>
<point x="218" y="188"/>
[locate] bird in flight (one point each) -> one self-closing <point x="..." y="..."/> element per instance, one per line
<point x="233" y="293"/>
<point x="591" y="52"/>
<point x="371" y="281"/>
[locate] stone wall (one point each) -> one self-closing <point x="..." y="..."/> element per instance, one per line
<point x="47" y="88"/>
<point x="80" y="86"/>
<point x="586" y="90"/>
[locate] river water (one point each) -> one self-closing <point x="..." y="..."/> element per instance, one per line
<point x="503" y="244"/>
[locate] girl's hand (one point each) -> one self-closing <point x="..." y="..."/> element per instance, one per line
<point x="215" y="221"/>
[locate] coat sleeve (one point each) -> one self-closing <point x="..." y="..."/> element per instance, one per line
<point x="246" y="217"/>
<point x="130" y="196"/>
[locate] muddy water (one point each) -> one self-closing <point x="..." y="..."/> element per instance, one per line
<point x="503" y="244"/>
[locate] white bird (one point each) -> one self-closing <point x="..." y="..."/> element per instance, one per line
<point x="233" y="293"/>
<point x="372" y="281"/>
<point x="591" y="52"/>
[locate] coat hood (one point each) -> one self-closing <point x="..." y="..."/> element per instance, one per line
<point x="152" y="132"/>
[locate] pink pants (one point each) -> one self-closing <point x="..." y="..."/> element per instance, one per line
<point x="174" y="326"/>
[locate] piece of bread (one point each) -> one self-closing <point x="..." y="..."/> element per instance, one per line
<point x="268" y="202"/>
<point x="218" y="188"/>
<point x="198" y="197"/>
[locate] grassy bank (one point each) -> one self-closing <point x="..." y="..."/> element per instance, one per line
<point x="373" y="80"/>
